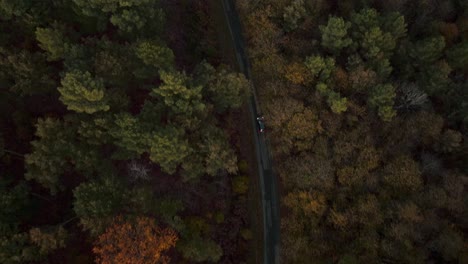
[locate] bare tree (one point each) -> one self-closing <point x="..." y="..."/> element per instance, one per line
<point x="138" y="171"/>
<point x="411" y="97"/>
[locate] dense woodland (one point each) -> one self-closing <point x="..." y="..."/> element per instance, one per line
<point x="119" y="135"/>
<point x="366" y="106"/>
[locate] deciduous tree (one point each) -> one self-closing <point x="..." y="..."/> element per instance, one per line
<point x="137" y="241"/>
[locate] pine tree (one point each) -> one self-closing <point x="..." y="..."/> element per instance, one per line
<point x="335" y="34"/>
<point x="82" y="93"/>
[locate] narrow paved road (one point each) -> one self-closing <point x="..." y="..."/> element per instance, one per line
<point x="268" y="181"/>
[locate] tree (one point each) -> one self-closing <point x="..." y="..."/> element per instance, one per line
<point x="48" y="239"/>
<point x="435" y="78"/>
<point x="449" y="244"/>
<point x="319" y="67"/>
<point x="29" y="73"/>
<point x="53" y="40"/>
<point x="337" y="103"/>
<point x="427" y="51"/>
<point x="47" y="162"/>
<point x="97" y="202"/>
<point x="449" y="141"/>
<point x="129" y="134"/>
<point x="155" y="55"/>
<point x="82" y="93"/>
<point x="16" y="249"/>
<point x="168" y="148"/>
<point x="457" y="56"/>
<point x="144" y="20"/>
<point x="10" y="8"/>
<point x="302" y="128"/>
<point x="293" y="14"/>
<point x="334" y="34"/>
<point x="411" y="97"/>
<point x="217" y="153"/>
<point x="138" y="241"/>
<point x="223" y="88"/>
<point x="382" y="97"/>
<point x="309" y="206"/>
<point x="177" y="96"/>
<point x="15" y="202"/>
<point x="394" y="23"/>
<point x="402" y="174"/>
<point x="93" y="7"/>
<point x="199" y="250"/>
<point x="376" y="42"/>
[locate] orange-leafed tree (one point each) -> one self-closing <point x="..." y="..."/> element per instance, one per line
<point x="134" y="242"/>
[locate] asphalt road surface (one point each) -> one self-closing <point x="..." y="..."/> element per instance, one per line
<point x="268" y="180"/>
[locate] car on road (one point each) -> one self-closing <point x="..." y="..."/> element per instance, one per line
<point x="261" y="124"/>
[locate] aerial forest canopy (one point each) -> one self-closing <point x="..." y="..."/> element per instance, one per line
<point x="367" y="107"/>
<point x="108" y="132"/>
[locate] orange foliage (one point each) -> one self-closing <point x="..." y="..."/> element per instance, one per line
<point x="138" y="242"/>
<point x="297" y="73"/>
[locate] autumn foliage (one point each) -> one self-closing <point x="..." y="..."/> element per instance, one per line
<point x="134" y="242"/>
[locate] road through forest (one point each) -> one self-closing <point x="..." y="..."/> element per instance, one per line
<point x="268" y="180"/>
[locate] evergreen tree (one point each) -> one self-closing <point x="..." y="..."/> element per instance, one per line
<point x="97" y="202"/>
<point x="335" y="34"/>
<point x="53" y="41"/>
<point x="82" y="93"/>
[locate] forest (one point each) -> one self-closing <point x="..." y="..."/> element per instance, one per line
<point x="120" y="136"/>
<point x="366" y="105"/>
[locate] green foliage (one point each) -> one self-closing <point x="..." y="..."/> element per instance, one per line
<point x="14" y="202"/>
<point x="218" y="154"/>
<point x="319" y="67"/>
<point x="382" y="98"/>
<point x="53" y="41"/>
<point x="199" y="250"/>
<point x="363" y="21"/>
<point x="91" y="7"/>
<point x="95" y="130"/>
<point x="168" y="210"/>
<point x="178" y="96"/>
<point x="157" y="56"/>
<point x="97" y="202"/>
<point x="375" y="42"/>
<point x="82" y="93"/>
<point x="434" y="78"/>
<point x="227" y="90"/>
<point x="458" y="56"/>
<point x="427" y="51"/>
<point x="394" y="23"/>
<point x="168" y="149"/>
<point x="240" y="184"/>
<point x="335" y="34"/>
<point x="337" y="103"/>
<point x="128" y="134"/>
<point x="46" y="163"/>
<point x="293" y="13"/>
<point x="10" y="8"/>
<point x="29" y="73"/>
